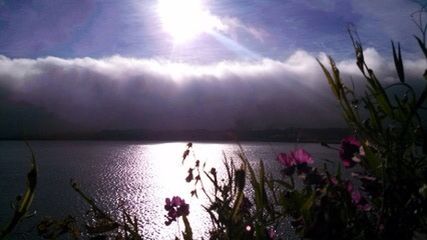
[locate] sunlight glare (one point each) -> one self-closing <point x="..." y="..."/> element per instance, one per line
<point x="186" y="19"/>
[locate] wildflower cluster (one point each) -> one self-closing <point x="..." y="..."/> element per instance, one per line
<point x="320" y="193"/>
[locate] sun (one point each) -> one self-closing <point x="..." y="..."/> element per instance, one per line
<point x="186" y="19"/>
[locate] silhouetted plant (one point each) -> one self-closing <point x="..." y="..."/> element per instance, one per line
<point x="390" y="151"/>
<point x="97" y="224"/>
<point x="236" y="212"/>
<point x="22" y="203"/>
<point x="177" y="208"/>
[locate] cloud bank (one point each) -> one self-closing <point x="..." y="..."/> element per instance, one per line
<point x="128" y="93"/>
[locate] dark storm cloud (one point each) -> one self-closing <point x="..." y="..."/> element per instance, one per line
<point x="124" y="93"/>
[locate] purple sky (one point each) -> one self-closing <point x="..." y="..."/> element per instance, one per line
<point x="111" y="64"/>
<point x="132" y="28"/>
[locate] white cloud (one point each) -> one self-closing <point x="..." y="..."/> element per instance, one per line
<point x="119" y="92"/>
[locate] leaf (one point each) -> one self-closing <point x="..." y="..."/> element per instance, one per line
<point x="237" y="204"/>
<point x="27" y="198"/>
<point x="239" y="184"/>
<point x="88" y="200"/>
<point x="398" y="63"/>
<point x="338" y="172"/>
<point x="102" y="228"/>
<point x="188" y="232"/>
<point x="308" y="203"/>
<point x="374" y="118"/>
<point x="331" y="81"/>
<point x="372" y="162"/>
<point x="283" y="183"/>
<point x="262" y="188"/>
<point x="422" y="46"/>
<point x="336" y="73"/>
<point x="185" y="154"/>
<point x="378" y="92"/>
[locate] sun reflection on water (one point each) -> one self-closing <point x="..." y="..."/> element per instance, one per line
<point x="165" y="174"/>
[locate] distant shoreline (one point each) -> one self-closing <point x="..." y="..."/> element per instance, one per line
<point x="303" y="135"/>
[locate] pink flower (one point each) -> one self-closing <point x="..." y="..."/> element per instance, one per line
<point x="301" y="156"/>
<point x="299" y="159"/>
<point x="350" y="151"/>
<point x="333" y="181"/>
<point x="285" y="160"/>
<point x="357" y="198"/>
<point x="271" y="233"/>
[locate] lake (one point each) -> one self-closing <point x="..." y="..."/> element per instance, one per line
<point x="136" y="175"/>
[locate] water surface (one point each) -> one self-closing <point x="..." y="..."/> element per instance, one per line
<point x="136" y="175"/>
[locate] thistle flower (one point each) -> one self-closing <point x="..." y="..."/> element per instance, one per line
<point x="176" y="208"/>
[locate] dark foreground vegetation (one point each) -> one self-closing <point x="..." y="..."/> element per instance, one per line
<point x="385" y="197"/>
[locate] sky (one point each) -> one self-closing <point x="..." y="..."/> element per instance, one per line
<point x="189" y="64"/>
